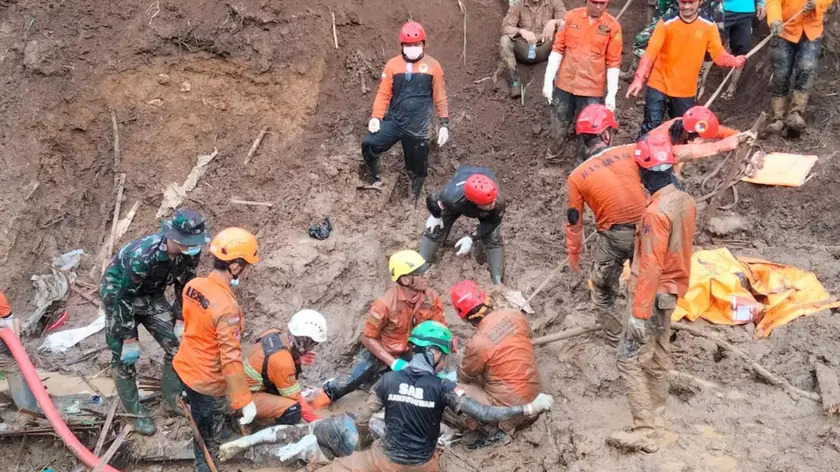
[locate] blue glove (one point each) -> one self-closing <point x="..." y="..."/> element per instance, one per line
<point x="130" y="352"/>
<point x="398" y="364"/>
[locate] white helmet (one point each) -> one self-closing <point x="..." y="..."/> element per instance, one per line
<point x="309" y="323"/>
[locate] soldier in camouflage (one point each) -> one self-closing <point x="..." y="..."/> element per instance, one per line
<point x="132" y="293"/>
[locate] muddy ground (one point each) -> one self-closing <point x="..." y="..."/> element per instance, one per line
<point x="187" y="77"/>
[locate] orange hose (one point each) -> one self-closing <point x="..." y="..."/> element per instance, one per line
<point x="46" y="404"/>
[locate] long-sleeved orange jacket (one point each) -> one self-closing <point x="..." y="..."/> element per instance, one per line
<point x="209" y="360"/>
<point x="811" y="24"/>
<point x="664" y="242"/>
<point x="588" y="51"/>
<point x="393" y="315"/>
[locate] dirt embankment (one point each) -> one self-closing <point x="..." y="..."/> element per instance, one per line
<point x="187" y="77"/>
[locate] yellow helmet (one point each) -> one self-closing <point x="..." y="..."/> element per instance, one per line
<point x="235" y="243"/>
<point x="406" y="262"/>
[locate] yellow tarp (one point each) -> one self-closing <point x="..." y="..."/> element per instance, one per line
<point x="779" y="168"/>
<point x="727" y="290"/>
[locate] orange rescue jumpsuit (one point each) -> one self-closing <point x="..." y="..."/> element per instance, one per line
<point x="660" y="275"/>
<point x="282" y="372"/>
<point x="499" y="367"/>
<point x="609" y="184"/>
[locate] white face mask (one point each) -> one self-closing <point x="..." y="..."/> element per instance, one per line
<point x="412" y="52"/>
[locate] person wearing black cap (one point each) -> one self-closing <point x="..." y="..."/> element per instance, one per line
<point x="132" y="293"/>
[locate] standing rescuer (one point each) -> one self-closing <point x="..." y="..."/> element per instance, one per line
<point x="412" y="88"/>
<point x="499" y="367"/>
<point x="673" y="60"/>
<point x="276" y="361"/>
<point x="132" y="293"/>
<point x="209" y="361"/>
<point x="414" y="399"/>
<point x="795" y="55"/>
<point x="21" y="393"/>
<point x="473" y="192"/>
<point x="388" y="325"/>
<point x="608" y="182"/>
<point x="659" y="275"/>
<point x="587" y="53"/>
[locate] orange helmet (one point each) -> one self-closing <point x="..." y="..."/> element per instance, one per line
<point x="655" y="153"/>
<point x="701" y="120"/>
<point x="594" y="119"/>
<point x="412" y="32"/>
<point x="235" y="243"/>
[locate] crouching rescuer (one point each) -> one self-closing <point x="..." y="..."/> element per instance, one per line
<point x="414" y="399"/>
<point x="276" y="361"/>
<point x="473" y="192"/>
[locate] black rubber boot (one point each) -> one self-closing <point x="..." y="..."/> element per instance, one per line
<point x="496" y="264"/>
<point x="428" y="248"/>
<point x="417" y="186"/>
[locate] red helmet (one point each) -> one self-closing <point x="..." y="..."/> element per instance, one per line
<point x="466" y="295"/>
<point x="655" y="151"/>
<point x="412" y="32"/>
<point x="594" y="119"/>
<point x="480" y="189"/>
<point x="701" y="120"/>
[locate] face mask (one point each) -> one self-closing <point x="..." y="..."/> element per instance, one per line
<point x="234" y="283"/>
<point x="413" y="52"/>
<point x="191" y="251"/>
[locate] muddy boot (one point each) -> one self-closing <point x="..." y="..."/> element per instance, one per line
<point x="496" y="264"/>
<point x="636" y="440"/>
<point x="515" y="84"/>
<point x="795" y="120"/>
<point x="127" y="390"/>
<point x="171" y="389"/>
<point x="611" y="325"/>
<point x="369" y="172"/>
<point x="417" y="186"/>
<point x="428" y="248"/>
<point x="21" y="393"/>
<point x="777" y="121"/>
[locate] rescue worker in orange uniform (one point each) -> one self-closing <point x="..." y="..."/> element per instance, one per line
<point x="499" y="367"/>
<point x="276" y="361"/>
<point x="587" y="53"/>
<point x="608" y="182"/>
<point x="22" y="395"/>
<point x="209" y="361"/>
<point x="659" y="275"/>
<point x="673" y="60"/>
<point x="412" y="88"/>
<point x="388" y="325"/>
<point x="796" y="53"/>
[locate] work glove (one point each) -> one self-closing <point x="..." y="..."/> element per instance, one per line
<point x="574" y="262"/>
<point x="373" y="125"/>
<point x="307" y="412"/>
<point x="249" y="412"/>
<point x="12" y="323"/>
<point x="308" y="359"/>
<point x="179" y="329"/>
<point x="443" y="136"/>
<point x="130" y="352"/>
<point x="637" y="329"/>
<point x="398" y="364"/>
<point x="542" y="403"/>
<point x="777" y="27"/>
<point x="548" y="90"/>
<point x="810" y="5"/>
<point x="464" y="245"/>
<point x="432" y="223"/>
<point x="609" y="101"/>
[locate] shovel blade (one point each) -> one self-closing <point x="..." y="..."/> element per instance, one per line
<point x="515" y="298"/>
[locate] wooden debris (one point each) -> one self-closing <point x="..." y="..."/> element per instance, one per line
<point x="197" y="435"/>
<point x="569" y="333"/>
<point x="254" y="146"/>
<point x="85" y="295"/>
<point x="464" y="13"/>
<point x="335" y="35"/>
<point x="48" y="430"/>
<point x="117" y="207"/>
<point x="106" y="428"/>
<point x="115" y="446"/>
<point x="85" y="355"/>
<point x="117" y="153"/>
<point x="250" y="202"/>
<point x="623" y="9"/>
<point x="556" y="270"/>
<point x="829" y="389"/>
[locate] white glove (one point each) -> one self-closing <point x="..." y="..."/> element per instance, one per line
<point x="542" y="403"/>
<point x="464" y="245"/>
<point x="443" y="135"/>
<point x="432" y="223"/>
<point x="373" y="125"/>
<point x="13" y="324"/>
<point x="249" y="412"/>
<point x="554" y="60"/>
<point x="612" y="87"/>
<point x="179" y="329"/>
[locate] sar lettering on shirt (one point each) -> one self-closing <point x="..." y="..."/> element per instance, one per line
<point x="414" y="403"/>
<point x="409" y="94"/>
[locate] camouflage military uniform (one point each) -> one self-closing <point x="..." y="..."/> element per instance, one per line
<point x="712" y="10"/>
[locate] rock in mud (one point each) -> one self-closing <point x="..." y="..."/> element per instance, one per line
<point x="728" y="225"/>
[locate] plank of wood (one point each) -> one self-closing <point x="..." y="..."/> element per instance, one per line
<point x="115" y="222"/>
<point x="254" y="146"/>
<point x="106" y="428"/>
<point x="829" y="389"/>
<point x="115" y="446"/>
<point x="117" y="152"/>
<point x="251" y="202"/>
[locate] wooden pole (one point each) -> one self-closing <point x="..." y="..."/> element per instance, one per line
<point x="117" y="153"/>
<point x="115" y="222"/>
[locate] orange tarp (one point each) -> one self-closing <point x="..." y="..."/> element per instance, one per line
<point x="727" y="290"/>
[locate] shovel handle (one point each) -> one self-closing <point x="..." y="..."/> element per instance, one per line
<point x="198" y="438"/>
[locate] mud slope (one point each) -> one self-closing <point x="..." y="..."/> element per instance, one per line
<point x="187" y="77"/>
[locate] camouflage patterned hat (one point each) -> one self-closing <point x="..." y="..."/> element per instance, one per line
<point x="187" y="228"/>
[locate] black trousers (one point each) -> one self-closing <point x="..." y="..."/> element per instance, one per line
<point x="209" y="415"/>
<point x="794" y="65"/>
<point x="658" y="105"/>
<point x="415" y="149"/>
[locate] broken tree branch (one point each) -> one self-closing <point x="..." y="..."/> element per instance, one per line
<point x="569" y="333"/>
<point x="759" y="370"/>
<point x="464" y="13"/>
<point x="250" y="202"/>
<point x="115" y="222"/>
<point x="554" y="272"/>
<point x="335" y="35"/>
<point x="117" y="153"/>
<point x="254" y="146"/>
<point x="115" y="446"/>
